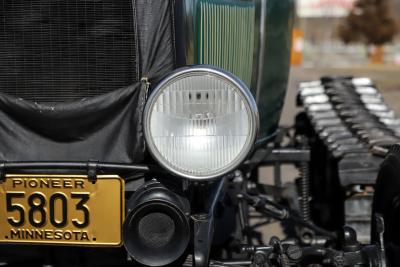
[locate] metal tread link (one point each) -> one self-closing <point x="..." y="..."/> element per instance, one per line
<point x="353" y="120"/>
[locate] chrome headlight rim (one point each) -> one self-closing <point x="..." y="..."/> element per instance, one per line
<point x="240" y="87"/>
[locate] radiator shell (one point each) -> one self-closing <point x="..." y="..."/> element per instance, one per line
<point x="250" y="38"/>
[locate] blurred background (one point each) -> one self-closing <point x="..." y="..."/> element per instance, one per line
<point x="346" y="37"/>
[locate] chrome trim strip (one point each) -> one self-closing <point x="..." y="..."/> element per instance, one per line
<point x="261" y="53"/>
<point x="189" y="14"/>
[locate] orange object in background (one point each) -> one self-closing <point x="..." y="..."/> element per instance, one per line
<point x="376" y="54"/>
<point x="297" y="47"/>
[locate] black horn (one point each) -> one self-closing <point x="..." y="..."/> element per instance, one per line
<point x="156" y="231"/>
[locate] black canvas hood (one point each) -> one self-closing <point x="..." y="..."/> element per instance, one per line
<point x="106" y="126"/>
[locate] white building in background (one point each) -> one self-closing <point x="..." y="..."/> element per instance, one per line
<point x="319" y="20"/>
<point x="323" y="8"/>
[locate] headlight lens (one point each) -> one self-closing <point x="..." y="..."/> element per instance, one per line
<point x="200" y="122"/>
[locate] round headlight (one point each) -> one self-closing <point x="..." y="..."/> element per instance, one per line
<point x="200" y="122"/>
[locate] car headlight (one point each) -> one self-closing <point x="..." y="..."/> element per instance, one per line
<point x="200" y="122"/>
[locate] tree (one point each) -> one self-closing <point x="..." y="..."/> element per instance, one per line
<point x="370" y="22"/>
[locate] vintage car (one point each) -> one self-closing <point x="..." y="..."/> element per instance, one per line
<point x="132" y="132"/>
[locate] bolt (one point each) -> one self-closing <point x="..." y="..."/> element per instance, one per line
<point x="294" y="252"/>
<point x="259" y="258"/>
<point x="338" y="261"/>
<point x="201" y="217"/>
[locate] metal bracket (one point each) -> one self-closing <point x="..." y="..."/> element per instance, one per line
<point x="92" y="168"/>
<point x="2" y="172"/>
<point x="288" y="155"/>
<point x="260" y="254"/>
<point x="204" y="231"/>
<point x="204" y="227"/>
<point x="380" y="230"/>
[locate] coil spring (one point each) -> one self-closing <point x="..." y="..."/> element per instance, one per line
<point x="285" y="262"/>
<point x="305" y="191"/>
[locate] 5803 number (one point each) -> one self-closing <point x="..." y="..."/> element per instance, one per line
<point x="38" y="206"/>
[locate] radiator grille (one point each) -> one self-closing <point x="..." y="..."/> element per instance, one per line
<point x="226" y="36"/>
<point x="63" y="50"/>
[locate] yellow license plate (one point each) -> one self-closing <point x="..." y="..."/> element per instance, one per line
<point x="62" y="210"/>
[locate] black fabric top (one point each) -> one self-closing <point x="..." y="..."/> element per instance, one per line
<point x="104" y="122"/>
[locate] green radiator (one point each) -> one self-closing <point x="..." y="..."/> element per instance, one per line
<point x="226" y="36"/>
<point x="251" y="39"/>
